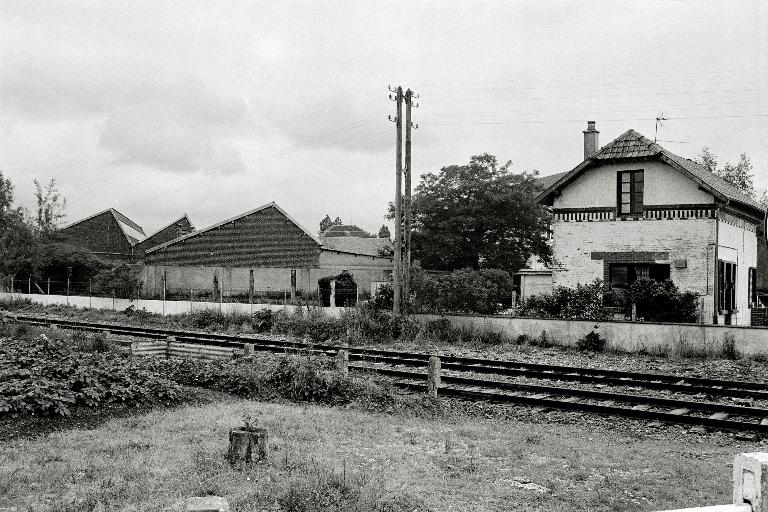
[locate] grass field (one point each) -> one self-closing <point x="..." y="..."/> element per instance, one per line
<point x="332" y="458"/>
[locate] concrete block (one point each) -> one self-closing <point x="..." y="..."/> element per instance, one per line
<point x="750" y="480"/>
<point x="247" y="349"/>
<point x="207" y="504"/>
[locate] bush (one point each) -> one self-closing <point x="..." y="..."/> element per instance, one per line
<point x="263" y="320"/>
<point x="592" y="342"/>
<point x="44" y="375"/>
<point x="482" y="291"/>
<point x="586" y="301"/>
<point x="661" y="301"/>
<point x="123" y="281"/>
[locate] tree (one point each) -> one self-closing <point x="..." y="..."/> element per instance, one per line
<point x="50" y="208"/>
<point x="326" y="223"/>
<point x="479" y="215"/>
<point x="384" y="232"/>
<point x="17" y="245"/>
<point x="337" y="221"/>
<point x="739" y="174"/>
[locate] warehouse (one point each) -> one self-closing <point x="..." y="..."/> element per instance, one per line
<point x="263" y="250"/>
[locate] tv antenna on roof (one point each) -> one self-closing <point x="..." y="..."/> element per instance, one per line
<point x="659" y="120"/>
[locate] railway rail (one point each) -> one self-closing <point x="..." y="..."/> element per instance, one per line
<point x="455" y="383"/>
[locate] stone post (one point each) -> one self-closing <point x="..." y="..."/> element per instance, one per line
<point x="750" y="480"/>
<point x="433" y="376"/>
<point x="333" y="293"/>
<point x="247" y="349"/>
<point x="342" y="362"/>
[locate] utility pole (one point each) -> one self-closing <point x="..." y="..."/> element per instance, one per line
<point x="408" y="206"/>
<point x="398" y="255"/>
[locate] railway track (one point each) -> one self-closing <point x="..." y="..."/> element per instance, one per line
<point x="455" y="383"/>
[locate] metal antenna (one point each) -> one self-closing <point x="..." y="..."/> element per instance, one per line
<point x="659" y="120"/>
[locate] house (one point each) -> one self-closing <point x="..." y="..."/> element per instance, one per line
<point x="633" y="209"/>
<point x="115" y="239"/>
<point x="109" y="235"/>
<point x="264" y="249"/>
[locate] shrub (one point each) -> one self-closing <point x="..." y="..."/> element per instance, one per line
<point x="661" y="301"/>
<point x="592" y="342"/>
<point x="482" y="291"/>
<point x="586" y="301"/>
<point x="43" y="375"/>
<point x="123" y="281"/>
<point x="263" y="320"/>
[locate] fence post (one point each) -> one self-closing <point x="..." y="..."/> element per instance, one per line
<point x="90" y="294"/>
<point x="69" y="277"/>
<point x="332" y="302"/>
<point x="190" y="299"/>
<point x="49" y="286"/>
<point x="113" y="298"/>
<point x="342" y="362"/>
<point x="29" y="286"/>
<point x="433" y="376"/>
<point x="164" y="292"/>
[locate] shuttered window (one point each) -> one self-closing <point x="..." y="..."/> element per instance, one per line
<point x="629" y="198"/>
<point x="726" y="300"/>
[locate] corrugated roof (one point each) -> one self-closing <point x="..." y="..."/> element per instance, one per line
<point x="632" y="144"/>
<point x="132" y="231"/>
<point x="356" y="244"/>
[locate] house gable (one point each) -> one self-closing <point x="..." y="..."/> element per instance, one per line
<point x="180" y="227"/>
<point x="102" y="233"/>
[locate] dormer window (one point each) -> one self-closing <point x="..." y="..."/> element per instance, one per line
<point x="630" y="192"/>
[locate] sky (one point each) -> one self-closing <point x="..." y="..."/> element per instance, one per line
<point x="214" y="108"/>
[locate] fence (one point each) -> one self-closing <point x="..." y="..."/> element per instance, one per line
<point x="322" y="296"/>
<point x="162" y="307"/>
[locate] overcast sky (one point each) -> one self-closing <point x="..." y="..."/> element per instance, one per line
<point x="214" y="108"/>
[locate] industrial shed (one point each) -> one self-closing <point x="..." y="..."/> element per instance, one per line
<point x="109" y="235"/>
<point x="265" y="247"/>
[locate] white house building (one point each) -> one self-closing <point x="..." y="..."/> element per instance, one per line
<point x="633" y="209"/>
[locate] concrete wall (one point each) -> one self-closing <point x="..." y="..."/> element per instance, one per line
<point x="663" y="185"/>
<point x="154" y="306"/>
<point x="624" y="335"/>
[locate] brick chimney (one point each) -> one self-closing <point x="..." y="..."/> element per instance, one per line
<point x="591" y="142"/>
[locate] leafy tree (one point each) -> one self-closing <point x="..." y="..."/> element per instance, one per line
<point x="17" y="244"/>
<point x="384" y="232"/>
<point x="50" y="208"/>
<point x="739" y="174"/>
<point x="337" y="221"/>
<point x="478" y="215"/>
<point x="326" y="223"/>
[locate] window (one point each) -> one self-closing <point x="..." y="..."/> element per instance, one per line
<point x="752" y="286"/>
<point x="629" y="197"/>
<point x="621" y="275"/>
<point x="726" y="279"/>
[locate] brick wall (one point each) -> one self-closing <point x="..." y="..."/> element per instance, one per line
<point x="582" y="251"/>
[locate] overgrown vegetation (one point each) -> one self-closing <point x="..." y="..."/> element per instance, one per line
<point x="41" y="374"/>
<point x="657" y="301"/>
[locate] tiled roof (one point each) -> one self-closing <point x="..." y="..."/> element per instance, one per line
<point x="344" y="230"/>
<point x="354" y="244"/>
<point x="632" y="144"/>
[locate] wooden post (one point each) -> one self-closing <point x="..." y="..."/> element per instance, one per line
<point x="248" y="445"/>
<point x="190" y="299"/>
<point x="342" y="362"/>
<point x="29" y="286"/>
<point x="433" y="376"/>
<point x="250" y="286"/>
<point x="49" y="286"/>
<point x="247" y="349"/>
<point x="164" y="278"/>
<point x="293" y="285"/>
<point x="332" y="302"/>
<point x="634" y="311"/>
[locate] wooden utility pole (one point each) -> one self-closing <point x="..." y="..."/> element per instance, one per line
<point x="408" y="206"/>
<point x="398" y="255"/>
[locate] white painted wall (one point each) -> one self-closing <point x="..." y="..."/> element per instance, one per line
<point x="662" y="185"/>
<point x="738" y="244"/>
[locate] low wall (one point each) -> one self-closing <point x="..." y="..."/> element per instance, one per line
<point x="168" y="307"/>
<point x="620" y="334"/>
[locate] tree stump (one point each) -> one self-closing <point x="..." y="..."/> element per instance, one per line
<point x="248" y="445"/>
